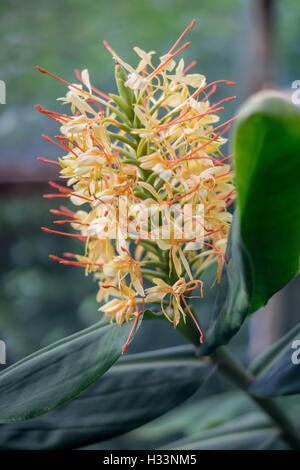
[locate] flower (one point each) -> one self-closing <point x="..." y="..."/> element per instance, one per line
<point x="176" y="293"/>
<point x="123" y="309"/>
<point x="157" y="146"/>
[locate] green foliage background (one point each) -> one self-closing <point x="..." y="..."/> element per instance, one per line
<point x="40" y="301"/>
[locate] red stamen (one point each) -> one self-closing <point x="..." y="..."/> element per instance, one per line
<point x="217" y="249"/>
<point x="82" y="264"/>
<point x="226" y="195"/>
<point x="179" y="120"/>
<point x="60" y="222"/>
<point x="230" y="98"/>
<point x="221" y="125"/>
<point x="48" y="230"/>
<point x="64" y="81"/>
<point x="99" y="106"/>
<point x="187" y="157"/>
<point x="181" y="37"/>
<point x="184" y="195"/>
<point x="45" y="160"/>
<point x="228" y="82"/>
<point x="95" y="90"/>
<point x="61" y="188"/>
<point x="223" y="174"/>
<point x="192" y="64"/>
<point x="211" y="92"/>
<point x="63" y="211"/>
<point x="107" y="46"/>
<point x="134" y="326"/>
<point x="69" y="255"/>
<point x="64" y="147"/>
<point x="162" y="65"/>
<point x="227" y="158"/>
<point x="52" y="196"/>
<point x="56" y="116"/>
<point x="107" y="286"/>
<point x="212" y="232"/>
<point x="193" y="318"/>
<point x="60" y="137"/>
<point x="66" y="191"/>
<point x="231" y="201"/>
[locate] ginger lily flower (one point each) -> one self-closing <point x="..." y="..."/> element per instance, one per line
<point x="158" y="142"/>
<point x="176" y="293"/>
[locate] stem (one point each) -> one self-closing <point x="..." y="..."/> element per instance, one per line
<point x="242" y="378"/>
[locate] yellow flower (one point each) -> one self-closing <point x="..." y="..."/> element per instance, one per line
<point x="155" y="143"/>
<point x="124" y="308"/>
<point x="122" y="265"/>
<point x="176" y="293"/>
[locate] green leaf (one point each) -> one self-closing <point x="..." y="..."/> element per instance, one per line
<point x="267" y="164"/>
<point x="278" y="369"/>
<point x="205" y="418"/>
<point x="125" y="92"/>
<point x="234" y="294"/>
<point x="263" y="249"/>
<point x="250" y="432"/>
<point x="138" y="389"/>
<point x="56" y="374"/>
<point x="123" y="105"/>
<point x="194" y="417"/>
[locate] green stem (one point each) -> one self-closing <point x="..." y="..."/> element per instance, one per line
<point x="122" y="138"/>
<point x="239" y="376"/>
<point x="150" y="274"/>
<point x="242" y="378"/>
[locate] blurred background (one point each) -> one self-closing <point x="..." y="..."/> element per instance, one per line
<point x="253" y="42"/>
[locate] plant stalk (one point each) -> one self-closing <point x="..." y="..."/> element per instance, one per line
<point x="242" y="378"/>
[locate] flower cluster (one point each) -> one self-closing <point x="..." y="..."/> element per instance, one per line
<point x="133" y="163"/>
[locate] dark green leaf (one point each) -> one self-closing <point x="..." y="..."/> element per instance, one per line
<point x="267" y="164"/>
<point x="138" y="389"/>
<point x="263" y="250"/>
<point x="56" y="374"/>
<point x="278" y="369"/>
<point x="205" y="418"/>
<point x="205" y="413"/>
<point x="234" y="294"/>
<point x="250" y="432"/>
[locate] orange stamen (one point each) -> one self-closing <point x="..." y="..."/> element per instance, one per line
<point x="63" y="211"/>
<point x="221" y="125"/>
<point x="60" y="137"/>
<point x="61" y="188"/>
<point x="95" y="90"/>
<point x="48" y="230"/>
<point x="179" y="121"/>
<point x="52" y="196"/>
<point x="226" y="158"/>
<point x="56" y="116"/>
<point x="162" y="65"/>
<point x="139" y="314"/>
<point x="192" y="64"/>
<point x="181" y="37"/>
<point x="228" y="82"/>
<point x="64" y="147"/>
<point x="211" y="92"/>
<point x="193" y="318"/>
<point x="45" y="160"/>
<point x="64" y="81"/>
